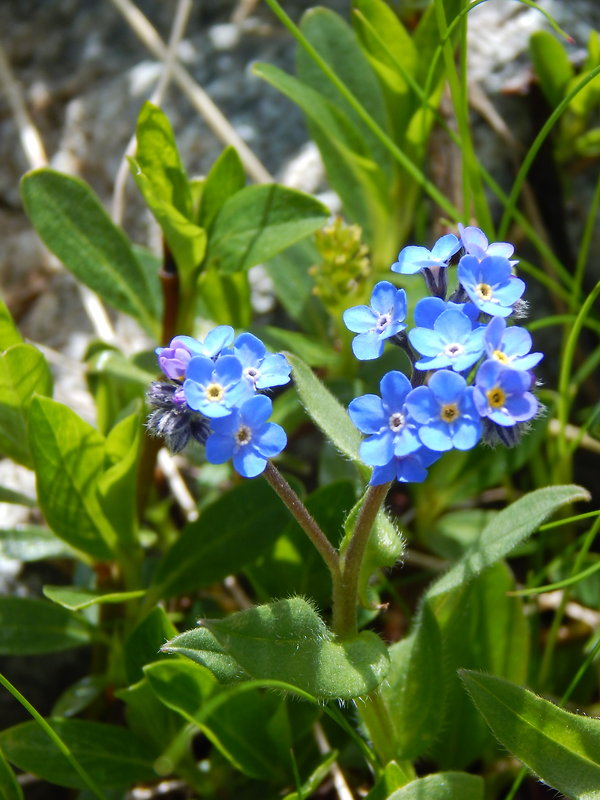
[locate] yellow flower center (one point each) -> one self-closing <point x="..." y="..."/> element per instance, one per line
<point x="449" y="412"/>
<point x="214" y="392"/>
<point x="501" y="357"/>
<point x="496" y="397"/>
<point x="243" y="435"/>
<point x="484" y="291"/>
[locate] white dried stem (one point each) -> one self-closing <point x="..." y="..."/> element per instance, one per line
<point x="180" y="20"/>
<point x="214" y="118"/>
<point x="341" y="787"/>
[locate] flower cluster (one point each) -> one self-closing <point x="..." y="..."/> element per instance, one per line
<point x="214" y="395"/>
<point x="471" y="370"/>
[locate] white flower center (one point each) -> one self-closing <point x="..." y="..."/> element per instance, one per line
<point x="397" y="421"/>
<point x="383" y="321"/>
<point x="454" y="350"/>
<point x="252" y="373"/>
<point x="243" y="435"/>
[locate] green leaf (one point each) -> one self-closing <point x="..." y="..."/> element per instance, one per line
<point x="76" y="598"/>
<point x="230" y="533"/>
<point x="29" y="626"/>
<point x="226" y="177"/>
<point x="144" y="642"/>
<point x="246" y="727"/>
<point x="325" y="410"/>
<point x="17" y="498"/>
<point x="151" y="720"/>
<point x="32" y="543"/>
<point x="75" y="227"/>
<point x="9" y="333"/>
<point x="9" y="786"/>
<point x="159" y="160"/>
<point x="552" y="65"/>
<point x="225" y="298"/>
<point x="79" y="695"/>
<point x="69" y="457"/>
<point x="288" y="641"/>
<point x="315" y="779"/>
<point x="113" y="755"/>
<point x="292" y="564"/>
<point x="442" y="786"/>
<point x="23" y="372"/>
<point x="482" y="627"/>
<point x="117" y="486"/>
<point x="312" y="351"/>
<point x="201" y="646"/>
<point x="506" y="530"/>
<point x="414" y="688"/>
<point x="186" y="240"/>
<point x="563" y="749"/>
<point x="259" y="221"/>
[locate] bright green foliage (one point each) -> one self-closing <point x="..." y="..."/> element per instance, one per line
<point x="225" y="178"/>
<point x="69" y="457"/>
<point x="231" y="533"/>
<point x="9" y="788"/>
<point x="415" y="690"/>
<point x="114" y="756"/>
<point x="325" y="409"/>
<point x="442" y="786"/>
<point x="9" y="333"/>
<point x="76" y="598"/>
<point x="288" y="641"/>
<point x="563" y="749"/>
<point x="23" y="372"/>
<point x="70" y="220"/>
<point x="29" y="625"/>
<point x="257" y="222"/>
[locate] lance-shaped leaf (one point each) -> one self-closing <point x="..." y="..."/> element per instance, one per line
<point x="563" y="749"/>
<point x="75" y="227"/>
<point x="9" y="787"/>
<point x="506" y="530"/>
<point x="326" y="411"/>
<point x="23" y="372"/>
<point x="224" y="179"/>
<point x="69" y="458"/>
<point x="442" y="786"/>
<point x="229" y="534"/>
<point x="113" y="755"/>
<point x="258" y="222"/>
<point x="9" y="333"/>
<point x="29" y="625"/>
<point x="288" y="641"/>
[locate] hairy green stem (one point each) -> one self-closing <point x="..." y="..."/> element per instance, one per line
<point x="346" y="596"/>
<point x="303" y="517"/>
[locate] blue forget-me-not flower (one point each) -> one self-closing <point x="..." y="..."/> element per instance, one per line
<point x="377" y="322"/>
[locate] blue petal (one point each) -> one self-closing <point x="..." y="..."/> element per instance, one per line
<point x="383" y="297"/>
<point x="249" y="349"/>
<point x="248" y="462"/>
<point x="367" y="413"/>
<point x="377" y="450"/>
<point x="227" y="426"/>
<point x="526" y="362"/>
<point x="200" y="370"/>
<point x="228" y="370"/>
<point x="367" y="346"/>
<point x="516" y="341"/>
<point x="511" y="292"/>
<point x="359" y="319"/>
<point x="411" y="259"/>
<point x="447" y="386"/>
<point x="466" y="433"/>
<point x="394" y="388"/>
<point x="270" y="440"/>
<point x="410" y="470"/>
<point x="495" y="270"/>
<point x="238" y="393"/>
<point x="494" y="333"/>
<point x="406" y="441"/>
<point x="217" y="339"/>
<point x="436" y="436"/>
<point x="256" y="410"/>
<point x="425" y="341"/>
<point x="453" y="325"/>
<point x="383" y="474"/>
<point x="219" y="449"/>
<point x="274" y="371"/>
<point x="422" y="405"/>
<point x="473" y="240"/>
<point x="445" y="247"/>
<point x="428" y="310"/>
<point x="503" y="249"/>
